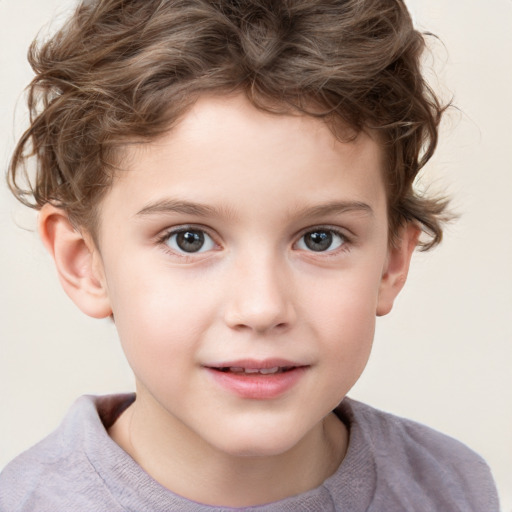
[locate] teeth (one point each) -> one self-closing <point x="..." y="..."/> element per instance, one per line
<point x="248" y="371"/>
<point x="266" y="371"/>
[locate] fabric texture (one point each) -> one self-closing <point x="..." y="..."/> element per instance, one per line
<point x="391" y="465"/>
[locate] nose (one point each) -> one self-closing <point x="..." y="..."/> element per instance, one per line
<point x="260" y="296"/>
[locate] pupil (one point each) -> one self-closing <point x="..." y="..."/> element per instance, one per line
<point x="318" y="240"/>
<point x="190" y="241"/>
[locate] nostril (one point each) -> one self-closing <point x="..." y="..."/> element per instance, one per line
<point x="260" y="309"/>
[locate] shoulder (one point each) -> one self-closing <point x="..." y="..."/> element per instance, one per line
<point x="410" y="436"/>
<point x="415" y="461"/>
<point x="57" y="469"/>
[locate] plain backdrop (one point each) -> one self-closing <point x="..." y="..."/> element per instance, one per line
<point x="444" y="355"/>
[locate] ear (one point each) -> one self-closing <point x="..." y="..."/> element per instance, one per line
<point x="78" y="262"/>
<point x="396" y="268"/>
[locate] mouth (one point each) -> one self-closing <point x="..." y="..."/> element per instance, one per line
<point x="241" y="367"/>
<point x="240" y="370"/>
<point x="260" y="380"/>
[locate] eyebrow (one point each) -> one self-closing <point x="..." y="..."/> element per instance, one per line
<point x="169" y="205"/>
<point x="179" y="206"/>
<point x="335" y="207"/>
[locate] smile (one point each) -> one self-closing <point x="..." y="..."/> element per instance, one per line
<point x="257" y="380"/>
<point x="252" y="371"/>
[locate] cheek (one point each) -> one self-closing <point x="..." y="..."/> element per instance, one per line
<point x="159" y="319"/>
<point x="348" y="336"/>
<point x="346" y="299"/>
<point x="343" y="313"/>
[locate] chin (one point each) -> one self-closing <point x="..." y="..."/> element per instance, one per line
<point x="258" y="444"/>
<point x="253" y="450"/>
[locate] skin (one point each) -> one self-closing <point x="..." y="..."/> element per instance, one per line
<point x="257" y="186"/>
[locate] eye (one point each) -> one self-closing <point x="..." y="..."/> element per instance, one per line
<point x="321" y="240"/>
<point x="189" y="240"/>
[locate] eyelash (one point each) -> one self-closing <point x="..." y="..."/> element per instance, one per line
<point x="163" y="240"/>
<point x="344" y="239"/>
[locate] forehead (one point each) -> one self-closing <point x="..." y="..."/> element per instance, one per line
<point x="225" y="150"/>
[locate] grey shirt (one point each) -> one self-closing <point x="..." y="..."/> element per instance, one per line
<point x="391" y="465"/>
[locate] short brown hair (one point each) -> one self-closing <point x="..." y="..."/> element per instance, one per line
<point x="122" y="70"/>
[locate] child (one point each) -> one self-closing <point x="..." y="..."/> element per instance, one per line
<point x="231" y="182"/>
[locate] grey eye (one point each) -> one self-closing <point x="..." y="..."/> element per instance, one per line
<point x="321" y="240"/>
<point x="190" y="241"/>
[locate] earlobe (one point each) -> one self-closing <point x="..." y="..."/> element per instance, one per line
<point x="77" y="261"/>
<point x="396" y="268"/>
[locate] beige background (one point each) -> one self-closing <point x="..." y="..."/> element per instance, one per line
<point x="444" y="355"/>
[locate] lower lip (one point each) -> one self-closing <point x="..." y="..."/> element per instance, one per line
<point x="258" y="386"/>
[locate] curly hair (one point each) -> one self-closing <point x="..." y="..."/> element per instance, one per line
<point x="128" y="70"/>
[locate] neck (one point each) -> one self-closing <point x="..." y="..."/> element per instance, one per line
<point x="188" y="466"/>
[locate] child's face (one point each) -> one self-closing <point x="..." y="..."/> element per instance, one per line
<point x="241" y="241"/>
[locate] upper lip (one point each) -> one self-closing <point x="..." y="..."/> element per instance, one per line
<point x="256" y="364"/>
